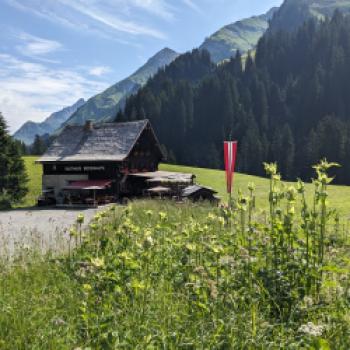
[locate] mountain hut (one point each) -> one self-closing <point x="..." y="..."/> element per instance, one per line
<point x="90" y="165"/>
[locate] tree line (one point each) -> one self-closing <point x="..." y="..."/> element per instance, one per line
<point x="39" y="146"/>
<point x="289" y="103"/>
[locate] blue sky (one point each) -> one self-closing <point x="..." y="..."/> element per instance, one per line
<point x="53" y="52"/>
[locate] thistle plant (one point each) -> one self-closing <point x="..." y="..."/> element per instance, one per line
<point x="80" y="222"/>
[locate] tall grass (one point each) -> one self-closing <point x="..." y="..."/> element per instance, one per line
<point x="160" y="275"/>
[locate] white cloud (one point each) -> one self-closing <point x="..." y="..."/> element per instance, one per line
<point x="99" y="70"/>
<point x="191" y="4"/>
<point x="108" y="17"/>
<point x="34" y="46"/>
<point x="159" y="8"/>
<point x="32" y="91"/>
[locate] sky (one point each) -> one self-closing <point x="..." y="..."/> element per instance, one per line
<point x="53" y="52"/>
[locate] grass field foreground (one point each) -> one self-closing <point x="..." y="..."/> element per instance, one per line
<point x="162" y="275"/>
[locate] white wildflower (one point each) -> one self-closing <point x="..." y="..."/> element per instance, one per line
<point x="312" y="329"/>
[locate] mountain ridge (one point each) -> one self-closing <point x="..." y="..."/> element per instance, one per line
<point x="242" y="35"/>
<point x="293" y="13"/>
<point x="105" y="105"/>
<point x="27" y="132"/>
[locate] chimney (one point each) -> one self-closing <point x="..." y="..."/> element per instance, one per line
<point x="89" y="126"/>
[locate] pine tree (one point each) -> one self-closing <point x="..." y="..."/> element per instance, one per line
<point x="13" y="178"/>
<point x="288" y="152"/>
<point x="4" y="161"/>
<point x="38" y="147"/>
<point x="17" y="179"/>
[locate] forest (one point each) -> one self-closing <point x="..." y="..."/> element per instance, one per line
<point x="288" y="102"/>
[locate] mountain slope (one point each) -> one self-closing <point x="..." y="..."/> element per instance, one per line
<point x="293" y="13"/>
<point x="27" y="131"/>
<point x="242" y="35"/>
<point x="105" y="105"/>
<point x="291" y="105"/>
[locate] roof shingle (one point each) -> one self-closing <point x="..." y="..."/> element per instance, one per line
<point x="105" y="142"/>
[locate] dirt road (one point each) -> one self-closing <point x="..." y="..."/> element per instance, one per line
<point x="44" y="229"/>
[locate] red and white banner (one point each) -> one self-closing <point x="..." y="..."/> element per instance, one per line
<point x="230" y="152"/>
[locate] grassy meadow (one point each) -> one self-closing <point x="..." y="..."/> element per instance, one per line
<point x="215" y="179"/>
<point x="34" y="172"/>
<point x="339" y="195"/>
<point x="162" y="275"/>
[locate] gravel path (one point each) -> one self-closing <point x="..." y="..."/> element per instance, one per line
<point x="43" y="229"/>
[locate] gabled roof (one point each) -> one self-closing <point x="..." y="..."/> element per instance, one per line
<point x="104" y="142"/>
<point x="166" y="177"/>
<point x="190" y="190"/>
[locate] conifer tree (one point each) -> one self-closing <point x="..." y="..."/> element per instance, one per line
<point x="38" y="147"/>
<point x="13" y="178"/>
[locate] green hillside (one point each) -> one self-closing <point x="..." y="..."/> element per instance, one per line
<point x="242" y="35"/>
<point x="294" y="12"/>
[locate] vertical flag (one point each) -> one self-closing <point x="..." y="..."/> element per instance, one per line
<point x="230" y="152"/>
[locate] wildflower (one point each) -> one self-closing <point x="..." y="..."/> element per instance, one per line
<point x="307" y="302"/>
<point x="148" y="242"/>
<point x="87" y="287"/>
<point x="227" y="260"/>
<point x="97" y="217"/>
<point x="137" y="285"/>
<point x="277" y="177"/>
<point x="244" y="255"/>
<point x="200" y="270"/>
<point x="312" y="329"/>
<point x="221" y="221"/>
<point x="300" y="186"/>
<point x="190" y="247"/>
<point x="340" y="290"/>
<point x="73" y="232"/>
<point x="217" y="249"/>
<point x="251" y="186"/>
<point x="291" y="193"/>
<point x="291" y="211"/>
<point x="80" y="219"/>
<point x="162" y="216"/>
<point x="211" y="217"/>
<point x="97" y="262"/>
<point x="270" y="169"/>
<point x="213" y="289"/>
<point x="59" y="322"/>
<point x="93" y="227"/>
<point x="149" y="213"/>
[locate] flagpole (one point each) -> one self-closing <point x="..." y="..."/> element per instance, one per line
<point x="230" y="152"/>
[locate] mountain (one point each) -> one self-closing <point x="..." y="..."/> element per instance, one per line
<point x="293" y="13"/>
<point x="105" y="105"/>
<point x="27" y="131"/>
<point x="242" y="35"/>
